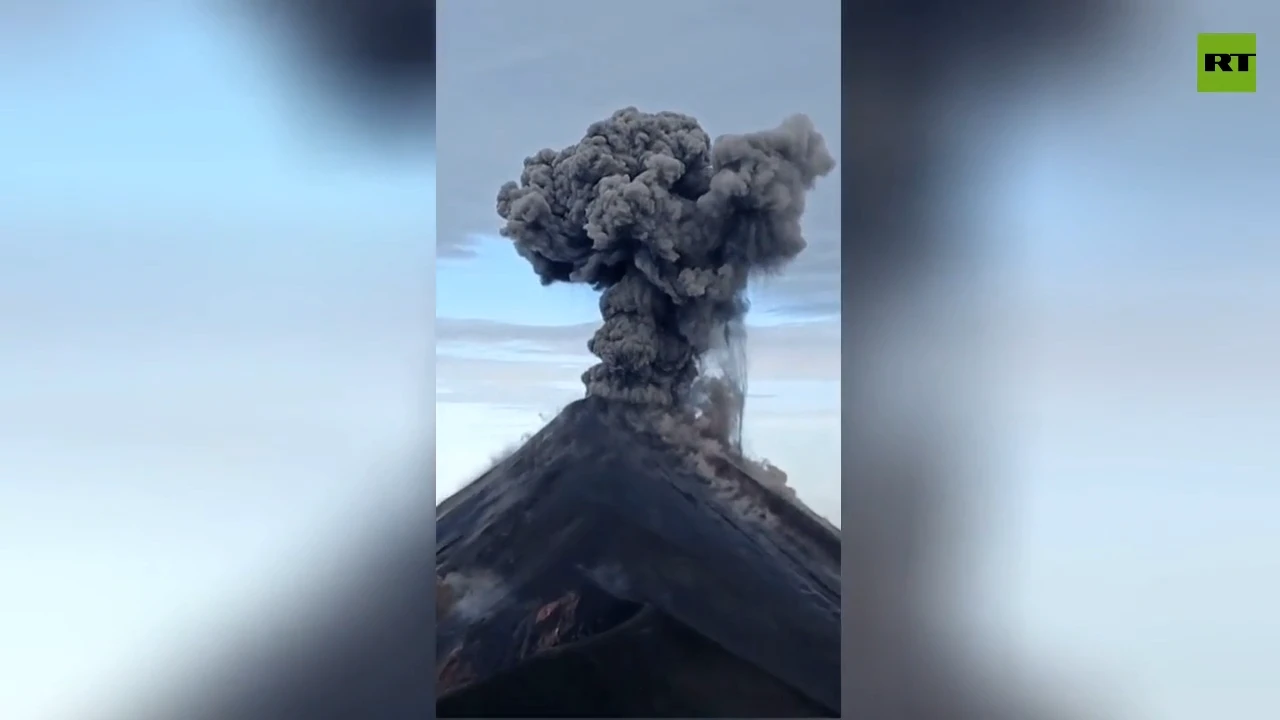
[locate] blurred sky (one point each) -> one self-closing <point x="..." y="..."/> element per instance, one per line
<point x="215" y="315"/>
<point x="216" y="325"/>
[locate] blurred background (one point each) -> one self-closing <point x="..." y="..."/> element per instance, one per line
<point x="1060" y="380"/>
<point x="216" y="303"/>
<point x="216" y="257"/>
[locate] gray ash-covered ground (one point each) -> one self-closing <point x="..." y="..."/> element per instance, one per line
<point x="603" y="569"/>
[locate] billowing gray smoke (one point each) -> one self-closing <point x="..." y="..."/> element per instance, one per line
<point x="669" y="226"/>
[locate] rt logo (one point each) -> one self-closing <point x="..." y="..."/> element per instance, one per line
<point x="1227" y="62"/>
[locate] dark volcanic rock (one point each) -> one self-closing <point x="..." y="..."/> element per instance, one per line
<point x="595" y="572"/>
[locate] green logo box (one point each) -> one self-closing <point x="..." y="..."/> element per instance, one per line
<point x="1227" y="62"/>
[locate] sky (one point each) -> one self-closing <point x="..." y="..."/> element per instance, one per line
<point x="1132" y="373"/>
<point x="216" y="318"/>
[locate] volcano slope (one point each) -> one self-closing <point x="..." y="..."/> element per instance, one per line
<point x="605" y="570"/>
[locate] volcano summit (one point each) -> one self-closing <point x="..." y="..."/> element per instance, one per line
<point x="628" y="560"/>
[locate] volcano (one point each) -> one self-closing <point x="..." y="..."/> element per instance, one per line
<point x="602" y="569"/>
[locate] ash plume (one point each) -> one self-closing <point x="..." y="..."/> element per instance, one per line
<point x="669" y="226"/>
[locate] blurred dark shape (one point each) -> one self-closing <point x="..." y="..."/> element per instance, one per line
<point x="923" y="80"/>
<point x="603" y="570"/>
<point x="389" y="43"/>
<point x="905" y="66"/>
<point x="374" y="60"/>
